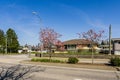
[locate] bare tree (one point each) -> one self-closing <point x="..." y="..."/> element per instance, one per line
<point x="93" y="37"/>
<point x="18" y="72"/>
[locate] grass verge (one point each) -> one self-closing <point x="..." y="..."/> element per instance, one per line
<point x="79" y="65"/>
<point x="46" y="60"/>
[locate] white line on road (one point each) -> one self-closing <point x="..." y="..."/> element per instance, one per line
<point x="77" y="79"/>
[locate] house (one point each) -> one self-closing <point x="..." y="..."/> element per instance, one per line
<point x="76" y="44"/>
<point x="105" y="49"/>
<point x="116" y="46"/>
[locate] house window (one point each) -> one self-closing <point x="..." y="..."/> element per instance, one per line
<point x="70" y="47"/>
<point x="89" y="45"/>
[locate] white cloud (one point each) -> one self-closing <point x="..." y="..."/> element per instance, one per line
<point x="95" y="23"/>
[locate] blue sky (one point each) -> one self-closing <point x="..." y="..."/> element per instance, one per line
<point x="66" y="17"/>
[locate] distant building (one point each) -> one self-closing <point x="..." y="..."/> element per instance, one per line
<point x="105" y="49"/>
<point x="116" y="46"/>
<point x="76" y="44"/>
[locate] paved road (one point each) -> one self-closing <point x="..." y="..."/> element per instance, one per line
<point x="13" y="58"/>
<point x="58" y="73"/>
<point x="63" y="73"/>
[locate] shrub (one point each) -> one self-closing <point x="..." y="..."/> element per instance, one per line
<point x="43" y="60"/>
<point x="115" y="61"/>
<point x="46" y="60"/>
<point x="72" y="60"/>
<point x="56" y="61"/>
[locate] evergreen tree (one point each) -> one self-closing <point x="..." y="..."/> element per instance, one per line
<point x="104" y="42"/>
<point x="2" y="41"/>
<point x="12" y="41"/>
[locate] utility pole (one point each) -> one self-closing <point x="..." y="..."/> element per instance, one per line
<point x="110" y="39"/>
<point x="6" y="45"/>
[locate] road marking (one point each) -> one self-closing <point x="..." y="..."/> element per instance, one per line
<point x="77" y="79"/>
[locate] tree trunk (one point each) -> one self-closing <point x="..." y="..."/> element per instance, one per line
<point x="50" y="55"/>
<point x="92" y="56"/>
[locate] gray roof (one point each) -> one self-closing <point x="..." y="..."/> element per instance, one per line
<point x="116" y="39"/>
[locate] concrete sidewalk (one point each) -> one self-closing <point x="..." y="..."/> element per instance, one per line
<point x="19" y="58"/>
<point x="97" y="61"/>
<point x="81" y="60"/>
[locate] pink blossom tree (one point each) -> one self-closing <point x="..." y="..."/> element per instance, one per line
<point x="59" y="45"/>
<point x="93" y="37"/>
<point x="48" y="37"/>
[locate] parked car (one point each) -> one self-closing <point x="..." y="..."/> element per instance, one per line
<point x="106" y="52"/>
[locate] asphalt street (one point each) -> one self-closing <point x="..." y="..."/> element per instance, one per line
<point x="62" y="73"/>
<point x="57" y="73"/>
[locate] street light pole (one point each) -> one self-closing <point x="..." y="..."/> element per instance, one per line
<point x="37" y="15"/>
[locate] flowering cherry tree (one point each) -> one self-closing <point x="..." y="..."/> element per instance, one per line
<point x="48" y="38"/>
<point x="93" y="37"/>
<point x="59" y="45"/>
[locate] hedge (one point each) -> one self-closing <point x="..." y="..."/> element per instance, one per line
<point x="46" y="60"/>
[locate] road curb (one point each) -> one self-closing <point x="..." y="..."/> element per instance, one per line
<point x="70" y="68"/>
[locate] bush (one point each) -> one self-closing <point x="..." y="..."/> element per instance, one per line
<point x="72" y="60"/>
<point x="56" y="61"/>
<point x="46" y="60"/>
<point x="115" y="61"/>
